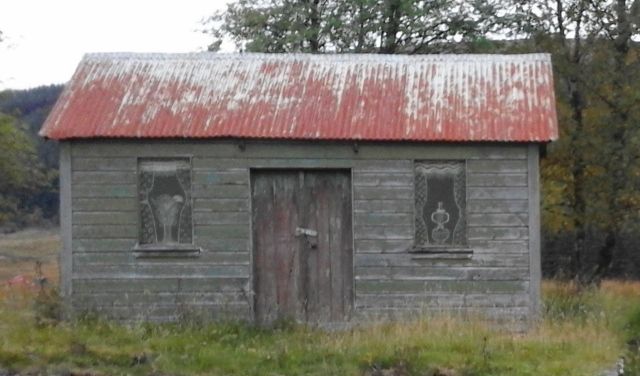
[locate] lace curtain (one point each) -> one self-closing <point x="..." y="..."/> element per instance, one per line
<point x="165" y="202"/>
<point x="440" y="203"/>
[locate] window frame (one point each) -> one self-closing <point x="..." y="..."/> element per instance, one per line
<point x="460" y="250"/>
<point x="187" y="249"/>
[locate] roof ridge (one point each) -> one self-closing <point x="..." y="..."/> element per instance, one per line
<point x="368" y="57"/>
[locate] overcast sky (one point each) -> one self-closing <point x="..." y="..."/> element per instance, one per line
<point x="45" y="39"/>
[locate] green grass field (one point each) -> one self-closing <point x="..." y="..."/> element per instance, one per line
<point x="582" y="333"/>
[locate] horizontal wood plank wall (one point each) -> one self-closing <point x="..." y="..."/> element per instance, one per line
<point x="494" y="281"/>
<point x="388" y="280"/>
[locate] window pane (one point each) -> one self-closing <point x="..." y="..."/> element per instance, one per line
<point x="165" y="202"/>
<point x="440" y="199"/>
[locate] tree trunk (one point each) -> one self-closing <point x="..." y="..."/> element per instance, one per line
<point x="578" y="173"/>
<point x="362" y="20"/>
<point x="391" y="27"/>
<point x="573" y="55"/>
<point x="314" y="23"/>
<point x="617" y="159"/>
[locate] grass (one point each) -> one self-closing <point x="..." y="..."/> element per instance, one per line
<point x="583" y="333"/>
<point x="20" y="251"/>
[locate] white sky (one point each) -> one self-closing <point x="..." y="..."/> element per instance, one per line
<point x="44" y="40"/>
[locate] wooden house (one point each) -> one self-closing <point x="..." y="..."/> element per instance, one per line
<point x="319" y="188"/>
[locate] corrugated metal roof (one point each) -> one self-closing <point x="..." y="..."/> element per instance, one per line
<point x="299" y="96"/>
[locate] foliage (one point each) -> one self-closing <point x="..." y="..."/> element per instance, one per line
<point x="17" y="152"/>
<point x="31" y="107"/>
<point x="591" y="174"/>
<point x="22" y="175"/>
<point x="29" y="194"/>
<point x="387" y="26"/>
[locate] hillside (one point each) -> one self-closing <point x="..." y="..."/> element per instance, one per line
<point x="28" y="163"/>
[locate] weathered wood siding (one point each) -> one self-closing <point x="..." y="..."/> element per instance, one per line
<point x="496" y="279"/>
<point x="308" y="278"/>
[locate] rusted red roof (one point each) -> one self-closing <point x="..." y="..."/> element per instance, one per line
<point x="327" y="97"/>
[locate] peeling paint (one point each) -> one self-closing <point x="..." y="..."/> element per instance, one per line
<point x="298" y="96"/>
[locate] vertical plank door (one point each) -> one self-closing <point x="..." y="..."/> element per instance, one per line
<point x="303" y="252"/>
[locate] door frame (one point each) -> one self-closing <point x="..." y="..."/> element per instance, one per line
<point x="250" y="172"/>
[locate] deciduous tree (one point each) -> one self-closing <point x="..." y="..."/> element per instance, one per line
<point x="18" y="166"/>
<point x="591" y="175"/>
<point x="385" y="26"/>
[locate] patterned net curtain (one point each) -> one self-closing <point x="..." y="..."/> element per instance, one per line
<point x="165" y="202"/>
<point x="440" y="199"/>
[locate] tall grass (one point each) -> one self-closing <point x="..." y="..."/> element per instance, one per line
<point x="615" y="305"/>
<point x="582" y="333"/>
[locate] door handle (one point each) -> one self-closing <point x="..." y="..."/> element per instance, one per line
<point x="306" y="232"/>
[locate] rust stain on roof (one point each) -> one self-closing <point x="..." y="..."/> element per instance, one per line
<point x="315" y="97"/>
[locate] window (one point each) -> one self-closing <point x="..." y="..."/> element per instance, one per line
<point x="165" y="202"/>
<point x="440" y="204"/>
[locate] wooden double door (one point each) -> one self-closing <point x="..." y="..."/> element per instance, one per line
<point x="302" y="245"/>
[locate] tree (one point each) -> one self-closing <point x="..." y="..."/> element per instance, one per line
<point x="31" y="107"/>
<point x="590" y="177"/>
<point x="272" y="25"/>
<point x="18" y="167"/>
<point x="385" y="26"/>
<point x="30" y="192"/>
<point x="619" y="23"/>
